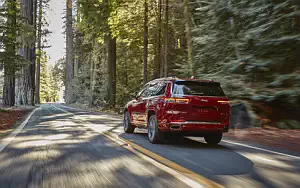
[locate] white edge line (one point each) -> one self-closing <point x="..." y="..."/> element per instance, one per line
<point x="5" y="141"/>
<point x="261" y="149"/>
<point x="163" y="167"/>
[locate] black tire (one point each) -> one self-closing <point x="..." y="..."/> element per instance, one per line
<point x="128" y="127"/>
<point x="213" y="139"/>
<point x="154" y="135"/>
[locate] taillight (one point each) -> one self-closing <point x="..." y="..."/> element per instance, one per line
<point x="177" y="100"/>
<point x="224" y="102"/>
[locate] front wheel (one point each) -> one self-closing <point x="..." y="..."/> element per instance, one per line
<point x="154" y="135"/>
<point x="213" y="139"/>
<point x="128" y="128"/>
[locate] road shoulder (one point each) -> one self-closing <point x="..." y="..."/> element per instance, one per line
<point x="27" y="111"/>
<point x="17" y="128"/>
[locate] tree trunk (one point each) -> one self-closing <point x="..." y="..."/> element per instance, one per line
<point x="77" y="55"/>
<point x="111" y="63"/>
<point x="31" y="56"/>
<point x="38" y="64"/>
<point x="24" y="80"/>
<point x="32" y="50"/>
<point x="9" y="87"/>
<point x="9" y="65"/>
<point x="146" y="42"/>
<point x="158" y="51"/>
<point x="112" y="70"/>
<point x="166" y="38"/>
<point x="126" y="71"/>
<point x="69" y="54"/>
<point x="155" y="67"/>
<point x="191" y="66"/>
<point x="92" y="82"/>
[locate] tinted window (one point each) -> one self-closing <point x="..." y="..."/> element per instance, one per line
<point x="161" y="88"/>
<point x="197" y="88"/>
<point x="143" y="91"/>
<point x="155" y="89"/>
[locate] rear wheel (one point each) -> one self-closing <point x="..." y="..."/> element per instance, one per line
<point x="154" y="135"/>
<point x="213" y="139"/>
<point x="128" y="128"/>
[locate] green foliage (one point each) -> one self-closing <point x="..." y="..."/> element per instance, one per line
<point x="255" y="44"/>
<point x="250" y="46"/>
<point x="50" y="84"/>
<point x="288" y="124"/>
<point x="10" y="27"/>
<point x="124" y="19"/>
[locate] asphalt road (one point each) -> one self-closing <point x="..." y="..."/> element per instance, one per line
<point x="61" y="149"/>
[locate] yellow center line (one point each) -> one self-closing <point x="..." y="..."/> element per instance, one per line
<point x="186" y="172"/>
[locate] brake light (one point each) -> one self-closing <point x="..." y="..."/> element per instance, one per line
<point x="176" y="100"/>
<point x="224" y="102"/>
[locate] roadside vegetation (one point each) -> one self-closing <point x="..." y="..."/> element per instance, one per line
<point x="8" y="118"/>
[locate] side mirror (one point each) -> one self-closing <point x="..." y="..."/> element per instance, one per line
<point x="136" y="96"/>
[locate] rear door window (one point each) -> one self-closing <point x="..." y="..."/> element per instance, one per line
<point x="197" y="88"/>
<point x="155" y="89"/>
<point x="143" y="91"/>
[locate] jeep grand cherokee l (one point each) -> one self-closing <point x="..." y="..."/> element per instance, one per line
<point x="188" y="107"/>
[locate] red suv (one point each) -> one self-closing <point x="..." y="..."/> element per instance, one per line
<point x="188" y="107"/>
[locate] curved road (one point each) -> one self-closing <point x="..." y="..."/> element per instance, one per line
<point x="65" y="147"/>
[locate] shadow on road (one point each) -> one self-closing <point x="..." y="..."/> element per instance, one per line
<point x="54" y="150"/>
<point x="199" y="157"/>
<point x="222" y="164"/>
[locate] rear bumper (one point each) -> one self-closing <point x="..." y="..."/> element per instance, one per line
<point x="195" y="127"/>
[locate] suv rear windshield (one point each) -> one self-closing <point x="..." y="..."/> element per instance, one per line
<point x="197" y="88"/>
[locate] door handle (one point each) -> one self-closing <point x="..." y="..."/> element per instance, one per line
<point x="204" y="100"/>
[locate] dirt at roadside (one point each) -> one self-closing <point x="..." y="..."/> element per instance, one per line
<point x="9" y="117"/>
<point x="268" y="136"/>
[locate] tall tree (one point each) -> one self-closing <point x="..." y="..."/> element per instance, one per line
<point x="25" y="81"/>
<point x="69" y="53"/>
<point x="112" y="45"/>
<point x="166" y="38"/>
<point x="158" y="45"/>
<point x="41" y="41"/>
<point x="33" y="51"/>
<point x="39" y="49"/>
<point x="77" y="39"/>
<point x="145" y="42"/>
<point x="191" y="67"/>
<point x="112" y="59"/>
<point x="9" y="60"/>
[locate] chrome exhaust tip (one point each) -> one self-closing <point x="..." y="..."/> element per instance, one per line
<point x="175" y="127"/>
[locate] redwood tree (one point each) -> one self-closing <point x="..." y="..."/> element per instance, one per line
<point x="69" y="53"/>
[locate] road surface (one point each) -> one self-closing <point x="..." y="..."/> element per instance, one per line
<point x="65" y="147"/>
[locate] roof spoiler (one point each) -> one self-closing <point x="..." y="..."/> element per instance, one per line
<point x="193" y="77"/>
